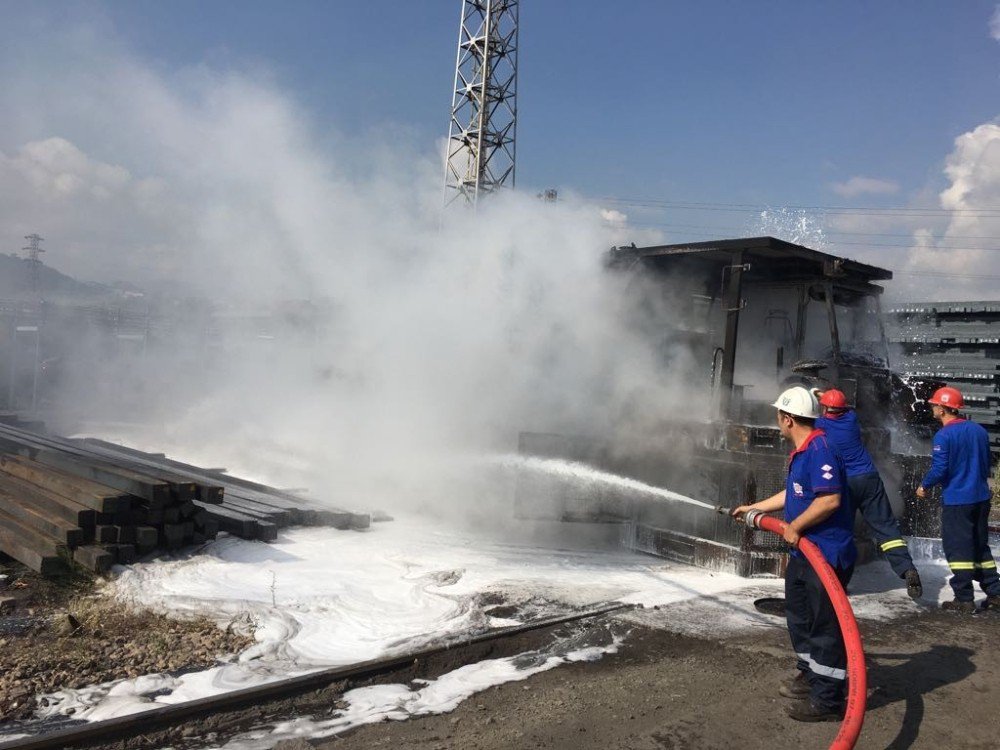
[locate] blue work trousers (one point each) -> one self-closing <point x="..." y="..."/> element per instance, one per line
<point x="965" y="538"/>
<point x="815" y="633"/>
<point x="869" y="497"/>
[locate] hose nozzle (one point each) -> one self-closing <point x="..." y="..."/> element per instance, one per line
<point x="752" y="518"/>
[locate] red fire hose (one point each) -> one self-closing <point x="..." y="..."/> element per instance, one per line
<point x="857" y="676"/>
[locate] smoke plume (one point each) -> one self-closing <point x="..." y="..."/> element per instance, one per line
<point x="315" y="318"/>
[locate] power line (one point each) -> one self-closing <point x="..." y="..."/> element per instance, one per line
<point x="910" y="246"/>
<point x="932" y="274"/>
<point x="746" y="207"/>
<point x="947" y="275"/>
<point x="769" y="207"/>
<point x="898" y="212"/>
<point x="844" y="243"/>
<point x="670" y="224"/>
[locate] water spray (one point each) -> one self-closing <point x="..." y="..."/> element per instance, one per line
<point x="574" y="471"/>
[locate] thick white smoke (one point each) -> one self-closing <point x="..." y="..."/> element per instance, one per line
<point x="425" y="340"/>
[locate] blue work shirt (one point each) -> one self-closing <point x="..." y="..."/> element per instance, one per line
<point x="960" y="461"/>
<point x="844" y="433"/>
<point x="814" y="469"/>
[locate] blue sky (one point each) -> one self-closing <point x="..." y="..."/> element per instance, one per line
<point x="714" y="101"/>
<point x="766" y="103"/>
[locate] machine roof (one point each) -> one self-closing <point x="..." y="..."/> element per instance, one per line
<point x="762" y="248"/>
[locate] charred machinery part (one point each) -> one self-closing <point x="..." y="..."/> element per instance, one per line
<point x="733" y="303"/>
<point x="759" y="282"/>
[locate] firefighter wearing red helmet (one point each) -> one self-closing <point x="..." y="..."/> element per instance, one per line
<point x="866" y="489"/>
<point x="833" y="399"/>
<point x="960" y="463"/>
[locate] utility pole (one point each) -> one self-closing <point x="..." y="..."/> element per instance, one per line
<point x="483" y="126"/>
<point x="34" y="250"/>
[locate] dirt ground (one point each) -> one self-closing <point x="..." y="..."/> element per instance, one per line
<point x="60" y="634"/>
<point x="934" y="683"/>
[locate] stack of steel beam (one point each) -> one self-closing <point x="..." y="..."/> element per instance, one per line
<point x="93" y="504"/>
<point x="958" y="342"/>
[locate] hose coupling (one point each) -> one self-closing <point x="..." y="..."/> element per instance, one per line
<point x="752" y="518"/>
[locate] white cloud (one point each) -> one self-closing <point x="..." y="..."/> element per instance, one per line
<point x="613" y="216"/>
<point x="995" y="24"/>
<point x="974" y="170"/>
<point x="949" y="253"/>
<point x="864" y="186"/>
<point x="56" y="169"/>
<point x="101" y="223"/>
<point x="960" y="255"/>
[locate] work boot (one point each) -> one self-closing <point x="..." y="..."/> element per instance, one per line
<point x="796" y="687"/>
<point x="992" y="604"/>
<point x="913" y="585"/>
<point x="806" y="710"/>
<point x="955" y="605"/>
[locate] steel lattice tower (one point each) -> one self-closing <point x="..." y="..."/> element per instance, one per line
<point x="34" y="250"/>
<point x="484" y="103"/>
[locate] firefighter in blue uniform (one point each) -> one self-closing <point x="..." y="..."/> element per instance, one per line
<point x="840" y="423"/>
<point x="960" y="462"/>
<point x="816" y="507"/>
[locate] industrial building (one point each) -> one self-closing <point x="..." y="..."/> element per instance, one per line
<point x="958" y="342"/>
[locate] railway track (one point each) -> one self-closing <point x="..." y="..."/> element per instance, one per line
<point x="129" y="731"/>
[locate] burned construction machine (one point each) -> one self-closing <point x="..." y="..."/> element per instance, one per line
<point x="736" y="321"/>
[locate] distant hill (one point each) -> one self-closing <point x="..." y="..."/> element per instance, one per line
<point x="15" y="281"/>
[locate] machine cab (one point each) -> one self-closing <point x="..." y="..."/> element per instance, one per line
<point x="759" y="314"/>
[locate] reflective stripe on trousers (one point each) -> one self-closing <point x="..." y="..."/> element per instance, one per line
<point x="988" y="565"/>
<point x="892" y="544"/>
<point x="815" y="666"/>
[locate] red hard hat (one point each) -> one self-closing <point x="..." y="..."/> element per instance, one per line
<point x="833" y="399"/>
<point x="947" y="396"/>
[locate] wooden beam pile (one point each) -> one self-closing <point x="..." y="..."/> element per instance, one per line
<point x="96" y="503"/>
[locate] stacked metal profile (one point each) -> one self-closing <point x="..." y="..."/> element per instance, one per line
<point x="90" y="503"/>
<point x="959" y="343"/>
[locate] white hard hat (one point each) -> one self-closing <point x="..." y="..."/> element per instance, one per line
<point x="800" y="401"/>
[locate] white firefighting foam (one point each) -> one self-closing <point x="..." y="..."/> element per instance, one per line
<point x="321" y="597"/>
